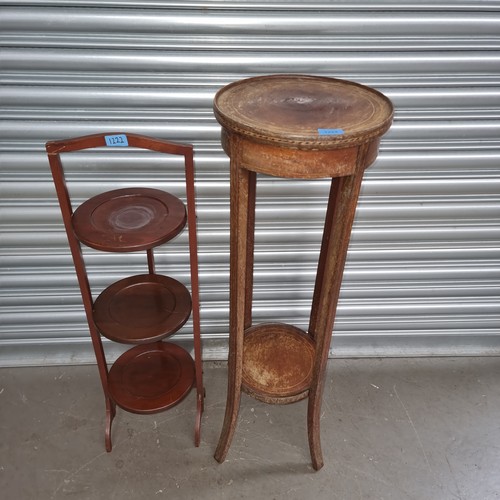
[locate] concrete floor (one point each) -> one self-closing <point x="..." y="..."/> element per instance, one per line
<point x="391" y="429"/>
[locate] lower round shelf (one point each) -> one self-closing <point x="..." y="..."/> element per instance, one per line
<point x="278" y="363"/>
<point x="142" y="308"/>
<point x="151" y="378"/>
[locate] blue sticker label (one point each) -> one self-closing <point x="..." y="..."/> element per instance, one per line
<point x="119" y="140"/>
<point x="330" y="131"/>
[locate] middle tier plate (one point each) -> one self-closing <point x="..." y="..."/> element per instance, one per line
<point x="142" y="309"/>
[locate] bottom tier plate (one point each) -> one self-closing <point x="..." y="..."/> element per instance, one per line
<point x="151" y="378"/>
<point x="278" y="362"/>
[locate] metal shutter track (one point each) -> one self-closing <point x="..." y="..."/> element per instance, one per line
<point x="423" y="272"/>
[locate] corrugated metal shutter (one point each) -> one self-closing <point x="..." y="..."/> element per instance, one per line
<point x="423" y="272"/>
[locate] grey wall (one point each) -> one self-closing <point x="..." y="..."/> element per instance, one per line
<point x="423" y="273"/>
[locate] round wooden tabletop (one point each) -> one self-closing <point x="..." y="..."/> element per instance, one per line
<point x="129" y="219"/>
<point x="306" y="112"/>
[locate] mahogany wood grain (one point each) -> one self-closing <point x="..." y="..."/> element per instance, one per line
<point x="151" y="378"/>
<point x="142" y="309"/>
<point x="130" y="220"/>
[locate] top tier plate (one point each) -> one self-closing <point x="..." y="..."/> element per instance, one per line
<point x="131" y="219"/>
<point x="304" y="112"/>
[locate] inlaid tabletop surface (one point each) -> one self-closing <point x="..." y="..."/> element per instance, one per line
<point x="298" y="110"/>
